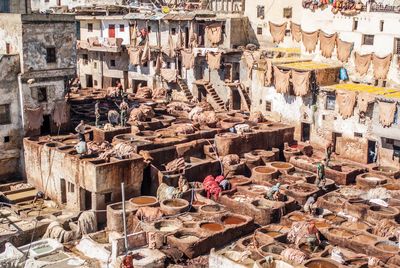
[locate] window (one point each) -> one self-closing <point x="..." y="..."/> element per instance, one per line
<point x="42" y="94"/>
<point x="95" y="82"/>
<point x="368" y="39"/>
<point x="287" y="12"/>
<point x="90" y="27"/>
<point x="108" y="198"/>
<point x="260" y="12"/>
<point x="148" y="28"/>
<point x="112" y="63"/>
<point x="330" y="102"/>
<point x="381" y="23"/>
<point x="259" y="30"/>
<point x="268" y="106"/>
<point x="50" y="54"/>
<point x="355" y="24"/>
<point x="85" y="59"/>
<point x="390" y="141"/>
<point x="71" y="187"/>
<point x="287" y="32"/>
<point x="6" y="139"/>
<point x="5" y="116"/>
<point x="8" y="48"/>
<point x="168" y="65"/>
<point x="358" y="135"/>
<point x="122" y="28"/>
<point x="173" y="31"/>
<point x="145" y="64"/>
<point x="397" y="46"/>
<point x="46" y="1"/>
<point x="95" y="65"/>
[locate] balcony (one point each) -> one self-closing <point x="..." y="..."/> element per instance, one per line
<point x="101" y="44"/>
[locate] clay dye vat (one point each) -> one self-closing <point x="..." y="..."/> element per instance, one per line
<point x="334" y="218"/>
<point x="211" y="227"/>
<point x="283" y="167"/>
<point x="233" y="220"/>
<point x="185" y="237"/>
<point x="239" y="181"/>
<point x="387" y="246"/>
<point x="211" y="209"/>
<point x="174" y="206"/>
<point x="144" y="201"/>
<point x="340" y="233"/>
<point x="263" y="173"/>
<point x="321" y="263"/>
<point x="167" y="226"/>
<point x="364" y="239"/>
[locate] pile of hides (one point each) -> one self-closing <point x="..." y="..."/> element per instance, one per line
<point x="281" y="80"/>
<point x="301" y="82"/>
<point x="296" y="31"/>
<point x="256" y="117"/>
<point x="242" y="128"/>
<point x="143" y="93"/>
<point x="230" y="159"/>
<point x="277" y="32"/>
<point x="169" y="75"/>
<point x="385" y="228"/>
<point x="206" y="106"/>
<point x="159" y="93"/>
<point x="176" y="165"/>
<point x="294" y="255"/>
<point x="113" y="117"/>
<point x="297" y="232"/>
<point x="124" y="150"/>
<point x="346" y="101"/>
<point x="211" y="186"/>
<point x="141" y="114"/>
<point x="34" y="117"/>
<point x="11" y="257"/>
<point x="327" y="44"/>
<point x="184" y="129"/>
<point x="149" y="214"/>
<point x="94" y="148"/>
<point x="381" y="66"/>
<point x="344" y="50"/>
<point x="377" y="193"/>
<point x="178" y="106"/>
<point x="310" y="40"/>
<point x="57" y="232"/>
<point x="108" y="127"/>
<point x="387" y="110"/>
<point x="112" y="92"/>
<point x="362" y="63"/>
<point x="61" y="113"/>
<point x="198" y="115"/>
<point x="214" y="33"/>
<point x="87" y="222"/>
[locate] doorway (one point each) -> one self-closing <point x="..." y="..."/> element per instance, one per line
<point x="372" y="153"/>
<point x="201" y="35"/>
<point x="88" y="200"/>
<point x="236" y="100"/>
<point x="89" y="80"/>
<point x="45" y="128"/>
<point x="335" y="135"/>
<point x="305" y="131"/>
<point x="111" y="31"/>
<point x="63" y="191"/>
<point x="136" y="83"/>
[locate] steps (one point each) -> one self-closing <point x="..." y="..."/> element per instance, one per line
<point x="245" y="97"/>
<point x="183" y="86"/>
<point x="213" y="98"/>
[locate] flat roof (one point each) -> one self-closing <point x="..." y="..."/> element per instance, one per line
<point x="284" y="49"/>
<point x="384" y="92"/>
<point x="308" y="65"/>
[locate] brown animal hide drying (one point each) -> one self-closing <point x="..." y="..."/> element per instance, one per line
<point x="187" y="59"/>
<point x="387" y="111"/>
<point x="214" y="60"/>
<point x="362" y="63"/>
<point x="281" y="80"/>
<point x="296" y="31"/>
<point x="310" y="40"/>
<point x="346" y="101"/>
<point x="34" y="118"/>
<point x="363" y="100"/>
<point x="61" y="113"/>
<point x="277" y="31"/>
<point x="214" y="33"/>
<point x="381" y="66"/>
<point x="168" y="75"/>
<point x="343" y="50"/>
<point x="301" y="82"/>
<point x="135" y="55"/>
<point x="327" y="44"/>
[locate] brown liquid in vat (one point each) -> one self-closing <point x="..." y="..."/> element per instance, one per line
<point x="210" y="226"/>
<point x="233" y="220"/>
<point x="273" y="233"/>
<point x="387" y="247"/>
<point x="320" y="264"/>
<point x="342" y="233"/>
<point x="142" y="200"/>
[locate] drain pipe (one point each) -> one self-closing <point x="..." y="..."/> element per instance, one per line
<point x="124" y="217"/>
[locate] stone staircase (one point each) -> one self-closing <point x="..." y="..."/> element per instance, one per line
<point x="246" y="102"/>
<point x="213" y="98"/>
<point x="183" y="86"/>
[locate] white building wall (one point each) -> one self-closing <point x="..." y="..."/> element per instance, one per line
<point x="105" y="23"/>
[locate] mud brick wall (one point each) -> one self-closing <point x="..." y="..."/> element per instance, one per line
<point x="355" y="149"/>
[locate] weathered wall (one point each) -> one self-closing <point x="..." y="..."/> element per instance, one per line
<point x="84" y="31"/>
<point x="16" y="6"/>
<point x="42" y="5"/>
<point x="107" y="21"/>
<point x="11" y="33"/>
<point x="10" y="150"/>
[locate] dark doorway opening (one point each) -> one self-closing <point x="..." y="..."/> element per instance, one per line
<point x="305" y="131"/>
<point x="372" y="153"/>
<point x="236" y="100"/>
<point x="88" y="200"/>
<point x="63" y="191"/>
<point x="202" y="32"/>
<point x="89" y="80"/>
<point x="138" y="83"/>
<point x="335" y="135"/>
<point x="45" y="129"/>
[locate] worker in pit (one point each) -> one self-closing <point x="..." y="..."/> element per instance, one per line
<point x="81" y="147"/>
<point x="97" y="113"/>
<point x="223" y="183"/>
<point x="123" y="107"/>
<point x="120" y="89"/>
<point x="321" y="180"/>
<point x="309" y="206"/>
<point x="274" y="192"/>
<point x="39" y="197"/>
<point x="127" y="261"/>
<point x="328" y="153"/>
<point x="80" y="129"/>
<point x="313" y="238"/>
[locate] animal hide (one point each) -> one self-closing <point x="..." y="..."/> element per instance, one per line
<point x="134" y="35"/>
<point x="327" y="44"/>
<point x="346" y="101"/>
<point x="281" y="80"/>
<point x="277" y="32"/>
<point x="387" y="111"/>
<point x="363" y="100"/>
<point x="171" y="47"/>
<point x="310" y="40"/>
<point x="248" y="59"/>
<point x="192" y="36"/>
<point x="362" y="63"/>
<point x="214" y="60"/>
<point x="168" y="75"/>
<point x="34" y="118"/>
<point x="146" y="53"/>
<point x="381" y="66"/>
<point x="187" y="59"/>
<point x="301" y="82"/>
<point x="61" y="113"/>
<point x="296" y="31"/>
<point x="135" y="55"/>
<point x="344" y="50"/>
<point x="214" y="33"/>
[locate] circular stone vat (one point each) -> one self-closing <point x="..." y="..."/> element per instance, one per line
<point x="340" y="233"/>
<point x="231" y="122"/>
<point x="211" y="209"/>
<point x="266" y="156"/>
<point x="387" y="171"/>
<point x="289" y="152"/>
<point x="144" y="201"/>
<point x="297" y="217"/>
<point x="392" y="187"/>
<point x="167" y="226"/>
<point x="65" y="148"/>
<point x="387" y="246"/>
<point x="364" y="239"/>
<point x="233" y="220"/>
<point x="147" y="135"/>
<point x="211" y="226"/>
<point x="384" y="211"/>
<point x="355" y="225"/>
<point x="239" y="181"/>
<point x="124" y="138"/>
<point x="174" y="206"/>
<point x="271" y="248"/>
<point x="371" y="179"/>
<point x="53" y="144"/>
<point x="186" y="237"/>
<point x="283" y="167"/>
<point x="70" y="141"/>
<point x="321" y="263"/>
<point x="334" y="218"/>
<point x="263" y="173"/>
